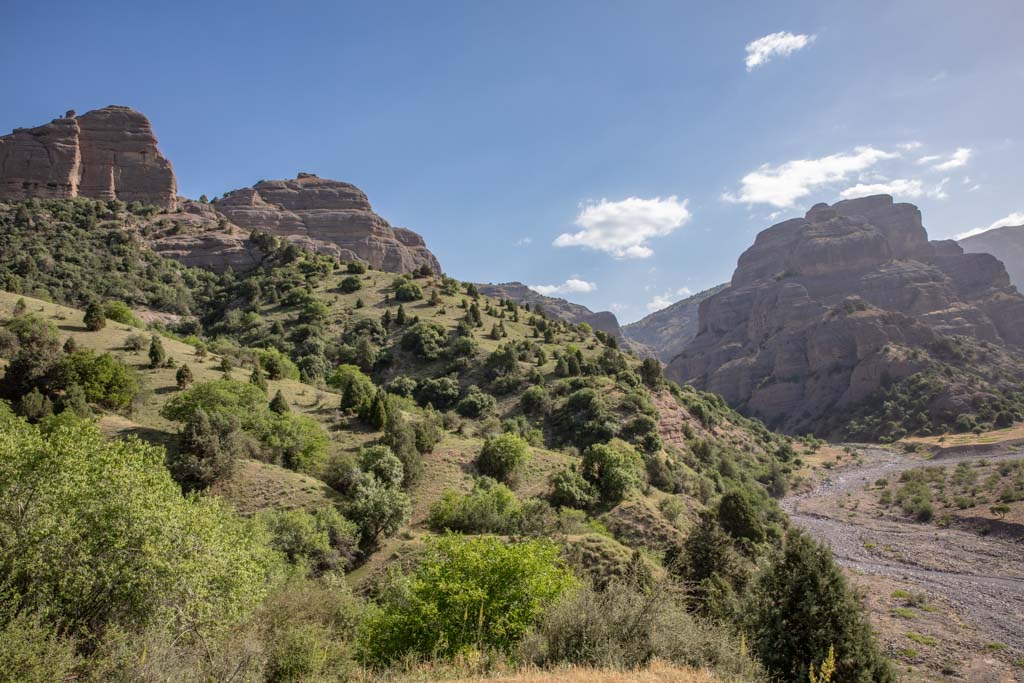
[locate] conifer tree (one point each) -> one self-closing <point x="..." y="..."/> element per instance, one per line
<point x="183" y="377"/>
<point x="95" y="319"/>
<point x="279" y="405"/>
<point x="157" y="355"/>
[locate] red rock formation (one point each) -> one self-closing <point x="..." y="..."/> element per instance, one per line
<point x="109" y="153"/>
<point x="818" y="306"/>
<point x="329" y="216"/>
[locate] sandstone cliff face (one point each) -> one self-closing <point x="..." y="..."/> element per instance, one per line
<point x="197" y="236"/>
<point x="328" y="216"/>
<point x="109" y="153"/>
<point x="1006" y="244"/>
<point x="821" y="310"/>
<point x="665" y="333"/>
<point x="555" y="307"/>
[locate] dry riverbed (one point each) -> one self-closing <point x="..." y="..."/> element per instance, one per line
<point x="948" y="599"/>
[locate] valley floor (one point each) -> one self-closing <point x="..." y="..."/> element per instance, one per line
<point x="967" y="623"/>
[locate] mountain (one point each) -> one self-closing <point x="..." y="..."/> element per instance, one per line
<point x="328" y="216"/>
<point x="108" y="153"/>
<point x="555" y="307"/>
<point x="852" y="308"/>
<point x="667" y="332"/>
<point x="1006" y="244"/>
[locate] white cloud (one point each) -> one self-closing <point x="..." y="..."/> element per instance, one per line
<point x="910" y="146"/>
<point x="899" y="188"/>
<point x="623" y="228"/>
<point x="665" y="300"/>
<point x="524" y="242"/>
<point x="928" y="159"/>
<point x="1015" y="218"/>
<point x="781" y="44"/>
<point x="956" y="159"/>
<point x="571" y="286"/>
<point x="781" y="186"/>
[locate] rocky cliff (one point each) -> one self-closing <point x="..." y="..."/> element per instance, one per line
<point x="197" y="236"/>
<point x="665" y="333"/>
<point x="328" y="216"/>
<point x="825" y="311"/>
<point x="108" y="153"/>
<point x="555" y="307"/>
<point x="1006" y="244"/>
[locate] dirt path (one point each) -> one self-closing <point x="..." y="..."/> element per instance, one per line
<point x="982" y="577"/>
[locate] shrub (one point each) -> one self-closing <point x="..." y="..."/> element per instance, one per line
<point x="378" y="509"/>
<point x="356" y="267"/>
<point x="105" y="380"/>
<point x="186" y="562"/>
<point x="183" y="377"/>
<point x="350" y="284"/>
<point x="119" y="311"/>
<point x="475" y="403"/>
<point x="157" y="355"/>
<point x="490" y="508"/>
<point x="135" y="342"/>
<point x="357" y="390"/>
<point x="32" y="652"/>
<point x="441" y="392"/>
<point x="503" y="457"/>
<point x="208" y="448"/>
<point x="475" y="592"/>
<point x="403" y="385"/>
<point x="613" y="468"/>
<point x="534" y="400"/>
<point x="570" y="489"/>
<point x="95" y="319"/>
<point x="425" y="339"/>
<point x="320" y="540"/>
<point x="740" y="517"/>
<point x="407" y="290"/>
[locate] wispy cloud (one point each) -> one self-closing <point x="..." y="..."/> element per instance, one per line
<point x="1015" y="218"/>
<point x="910" y="146"/>
<point x="523" y="242"/>
<point x="571" y="286"/>
<point x="782" y="185"/>
<point x="900" y="188"/>
<point x="781" y="44"/>
<point x="956" y="159"/>
<point x="666" y="299"/>
<point x="623" y="228"/>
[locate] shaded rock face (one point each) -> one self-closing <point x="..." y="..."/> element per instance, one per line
<point x="819" y="307"/>
<point x="200" y="237"/>
<point x="665" y="333"/>
<point x="328" y="216"/>
<point x="555" y="307"/>
<point x="1006" y="244"/>
<point x="105" y="154"/>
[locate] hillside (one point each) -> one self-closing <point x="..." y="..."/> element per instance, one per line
<point x="1006" y="244"/>
<point x="668" y="331"/>
<point x="555" y="307"/>
<point x="327" y="388"/>
<point x="850" y="322"/>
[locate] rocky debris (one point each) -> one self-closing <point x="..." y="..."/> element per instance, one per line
<point x="328" y="216"/>
<point x="1006" y="244"/>
<point x="555" y="307"/>
<point x="196" y="235"/>
<point x="665" y="333"/>
<point x="824" y="310"/>
<point x="105" y="154"/>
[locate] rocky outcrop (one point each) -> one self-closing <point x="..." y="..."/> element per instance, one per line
<point x="1006" y="244"/>
<point x="824" y="310"/>
<point x="665" y="333"/>
<point x="328" y="216"/>
<point x="197" y="236"/>
<point x="559" y="309"/>
<point x="108" y="153"/>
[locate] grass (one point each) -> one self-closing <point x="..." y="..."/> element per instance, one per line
<point x="904" y="613"/>
<point x="655" y="672"/>
<point x="922" y="639"/>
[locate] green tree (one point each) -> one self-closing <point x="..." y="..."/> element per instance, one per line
<point x="570" y="489"/>
<point x="739" y="515"/>
<point x="356" y="389"/>
<point x="183" y="377"/>
<point x="208" y="448"/>
<point x="157" y="355"/>
<point x="801" y="606"/>
<point x="279" y="404"/>
<point x="503" y="457"/>
<point x="95" y="319"/>
<point x="351" y="284"/>
<point x="467" y="593"/>
<point x="377" y="509"/>
<point x="258" y="378"/>
<point x="613" y="468"/>
<point x="38" y="353"/>
<point x="106" y="380"/>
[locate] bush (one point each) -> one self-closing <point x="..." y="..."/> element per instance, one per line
<point x="490" y="508"/>
<point x="613" y="468"/>
<point x="534" y="400"/>
<point x="95" y="319"/>
<point x="425" y="339"/>
<point x="208" y="448"/>
<point x="802" y="606"/>
<point x="105" y="380"/>
<point x="319" y="541"/>
<point x="119" y="311"/>
<point x="626" y="626"/>
<point x="357" y="390"/>
<point x="356" y="267"/>
<point x="467" y="593"/>
<point x="157" y="355"/>
<point x="570" y="489"/>
<point x="740" y="517"/>
<point x="32" y="652"/>
<point x="503" y="457"/>
<point x="94" y="503"/>
<point x="441" y="392"/>
<point x="475" y="403"/>
<point x="350" y="284"/>
<point x="406" y="290"/>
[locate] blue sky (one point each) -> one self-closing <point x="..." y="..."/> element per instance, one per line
<point x="624" y="153"/>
